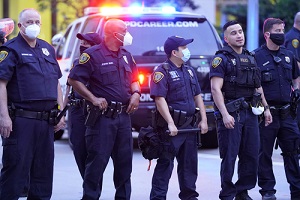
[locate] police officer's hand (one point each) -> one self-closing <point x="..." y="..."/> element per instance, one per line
<point x="100" y="102"/>
<point x="61" y="124"/>
<point x="268" y="117"/>
<point x="203" y="126"/>
<point x="228" y="121"/>
<point x="5" y="126"/>
<point x="173" y="129"/>
<point x="133" y="103"/>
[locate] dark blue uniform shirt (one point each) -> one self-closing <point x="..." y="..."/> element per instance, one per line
<point x="177" y="85"/>
<point x="276" y="79"/>
<point x="108" y="74"/>
<point x="76" y="95"/>
<point x="32" y="73"/>
<point x="292" y="40"/>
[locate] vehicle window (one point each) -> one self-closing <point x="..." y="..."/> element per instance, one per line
<point x="90" y="25"/>
<point x="61" y="47"/>
<point x="72" y="40"/>
<point x="149" y="36"/>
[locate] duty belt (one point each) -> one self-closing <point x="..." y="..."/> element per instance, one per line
<point x="44" y="115"/>
<point x="77" y="102"/>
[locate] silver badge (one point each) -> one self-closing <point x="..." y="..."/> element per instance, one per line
<point x="287" y="59"/>
<point x="233" y="61"/>
<point x="45" y="51"/>
<point x="125" y="58"/>
<point x="191" y="73"/>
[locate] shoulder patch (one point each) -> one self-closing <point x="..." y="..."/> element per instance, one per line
<point x="157" y="76"/>
<point x="295" y="43"/>
<point x="84" y="58"/>
<point x="216" y="61"/>
<point x="3" y="55"/>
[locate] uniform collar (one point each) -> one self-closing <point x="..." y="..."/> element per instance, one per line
<point x="108" y="52"/>
<point x="173" y="66"/>
<point x="23" y="41"/>
<point x="296" y="30"/>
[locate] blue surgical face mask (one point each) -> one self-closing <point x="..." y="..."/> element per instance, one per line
<point x="186" y="54"/>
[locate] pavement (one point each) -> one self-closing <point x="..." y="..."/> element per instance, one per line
<point x="68" y="183"/>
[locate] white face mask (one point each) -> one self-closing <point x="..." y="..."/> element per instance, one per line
<point x="186" y="54"/>
<point x="127" y="39"/>
<point x="258" y="110"/>
<point x="32" y="31"/>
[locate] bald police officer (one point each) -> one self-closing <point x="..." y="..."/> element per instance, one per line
<point x="114" y="89"/>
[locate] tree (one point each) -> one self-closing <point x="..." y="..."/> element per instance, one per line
<point x="283" y="9"/>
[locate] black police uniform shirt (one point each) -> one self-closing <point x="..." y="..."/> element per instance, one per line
<point x="109" y="74"/>
<point x="76" y="95"/>
<point x="32" y="73"/>
<point x="292" y="38"/>
<point x="225" y="67"/>
<point x="177" y="85"/>
<point x="276" y="78"/>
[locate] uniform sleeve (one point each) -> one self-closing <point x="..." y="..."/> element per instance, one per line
<point x="135" y="71"/>
<point x="296" y="72"/>
<point x="159" y="83"/>
<point x="197" y="88"/>
<point x="83" y="69"/>
<point x="217" y="66"/>
<point x="8" y="62"/>
<point x="292" y="44"/>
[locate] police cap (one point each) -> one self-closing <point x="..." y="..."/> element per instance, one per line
<point x="91" y="38"/>
<point x="173" y="42"/>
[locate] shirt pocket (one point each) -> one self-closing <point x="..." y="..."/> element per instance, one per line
<point x="109" y="75"/>
<point x="128" y="75"/>
<point x="287" y="68"/>
<point x="177" y="89"/>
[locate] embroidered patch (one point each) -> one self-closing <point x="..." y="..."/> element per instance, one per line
<point x="157" y="77"/>
<point x="295" y="43"/>
<point x="84" y="58"/>
<point x="125" y="58"/>
<point x="216" y="61"/>
<point x="3" y="55"/>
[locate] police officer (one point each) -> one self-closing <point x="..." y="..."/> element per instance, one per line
<point x="113" y="87"/>
<point x="29" y="85"/>
<point x="292" y="43"/>
<point x="292" y="37"/>
<point x="76" y="115"/>
<point x="279" y="75"/>
<point x="233" y="89"/>
<point x="175" y="84"/>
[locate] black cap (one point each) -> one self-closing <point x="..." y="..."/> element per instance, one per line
<point x="173" y="42"/>
<point x="91" y="38"/>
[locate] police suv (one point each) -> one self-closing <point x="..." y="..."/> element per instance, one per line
<point x="150" y="27"/>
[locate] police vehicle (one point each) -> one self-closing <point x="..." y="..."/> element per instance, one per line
<point x="150" y="27"/>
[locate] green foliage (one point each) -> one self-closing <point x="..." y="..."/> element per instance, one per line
<point x="283" y="9"/>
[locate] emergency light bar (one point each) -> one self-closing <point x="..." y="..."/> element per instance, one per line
<point x="133" y="10"/>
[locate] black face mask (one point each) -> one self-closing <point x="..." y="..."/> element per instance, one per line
<point x="82" y="49"/>
<point x="277" y="38"/>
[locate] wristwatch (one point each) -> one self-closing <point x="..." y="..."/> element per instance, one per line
<point x="136" y="91"/>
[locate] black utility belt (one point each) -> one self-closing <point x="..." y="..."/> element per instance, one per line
<point x="50" y="116"/>
<point x="283" y="111"/>
<point x="77" y="102"/>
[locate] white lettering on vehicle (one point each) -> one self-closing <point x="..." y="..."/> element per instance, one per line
<point x="162" y="24"/>
<point x="145" y="97"/>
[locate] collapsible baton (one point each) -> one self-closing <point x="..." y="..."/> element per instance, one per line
<point x="62" y="113"/>
<point x="190" y="130"/>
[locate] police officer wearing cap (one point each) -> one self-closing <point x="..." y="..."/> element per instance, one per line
<point x="76" y="115"/>
<point x="280" y="76"/>
<point x="113" y="87"/>
<point x="29" y="92"/>
<point x="177" y="86"/>
<point x="235" y="78"/>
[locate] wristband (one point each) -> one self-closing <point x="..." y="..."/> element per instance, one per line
<point x="136" y="91"/>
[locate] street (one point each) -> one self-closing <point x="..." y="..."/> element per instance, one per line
<point x="68" y="184"/>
